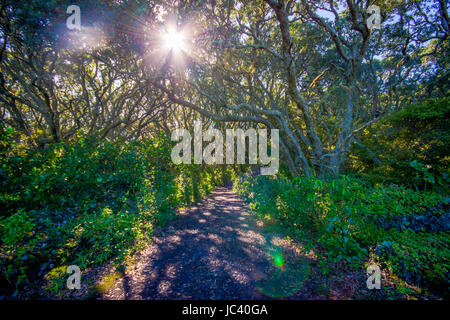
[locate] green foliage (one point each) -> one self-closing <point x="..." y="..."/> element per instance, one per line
<point x="19" y="239"/>
<point x="419" y="256"/>
<point x="341" y="220"/>
<point x="195" y="182"/>
<point x="408" y="147"/>
<point x="87" y="202"/>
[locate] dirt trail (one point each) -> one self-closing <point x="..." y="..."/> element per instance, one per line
<point x="217" y="250"/>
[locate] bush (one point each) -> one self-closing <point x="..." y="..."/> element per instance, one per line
<point x="409" y="147"/>
<point x="342" y="220"/>
<point x="86" y="202"/>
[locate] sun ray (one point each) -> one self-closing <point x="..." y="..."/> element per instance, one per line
<point x="175" y="40"/>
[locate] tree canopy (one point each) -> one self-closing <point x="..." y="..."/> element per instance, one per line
<point x="315" y="70"/>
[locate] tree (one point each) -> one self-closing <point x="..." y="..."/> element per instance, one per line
<point x="313" y="69"/>
<point x="73" y="84"/>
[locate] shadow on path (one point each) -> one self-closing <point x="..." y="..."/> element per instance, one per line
<point x="215" y="250"/>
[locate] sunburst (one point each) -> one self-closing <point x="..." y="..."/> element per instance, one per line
<point x="175" y="40"/>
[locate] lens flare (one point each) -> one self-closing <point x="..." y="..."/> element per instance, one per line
<point x="278" y="260"/>
<point x="287" y="278"/>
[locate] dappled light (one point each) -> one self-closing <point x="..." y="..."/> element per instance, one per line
<point x="224" y="150"/>
<point x="224" y="264"/>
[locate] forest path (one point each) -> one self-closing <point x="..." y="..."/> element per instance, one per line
<point x="217" y="250"/>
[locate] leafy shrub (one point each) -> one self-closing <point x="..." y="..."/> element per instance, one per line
<point x="85" y="203"/>
<point x="340" y="219"/>
<point x="18" y="239"/>
<point x="409" y="147"/>
<point x="421" y="257"/>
